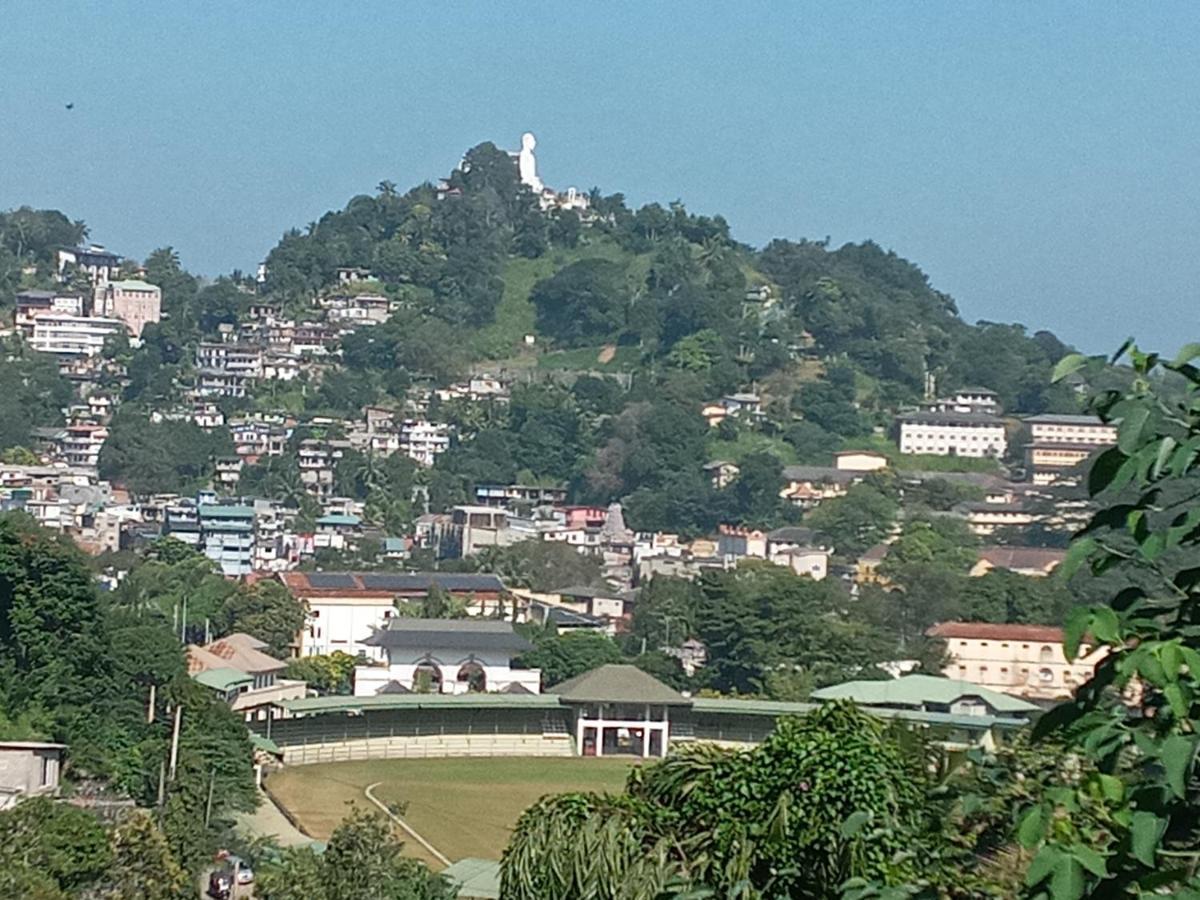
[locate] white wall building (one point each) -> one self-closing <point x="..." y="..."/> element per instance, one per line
<point x="346" y="608"/>
<point x="67" y="336"/>
<point x="1087" y="431"/>
<point x="953" y="434"/>
<point x="422" y="440"/>
<point x="447" y="656"/>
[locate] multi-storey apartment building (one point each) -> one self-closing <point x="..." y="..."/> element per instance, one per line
<point x="70" y="336"/>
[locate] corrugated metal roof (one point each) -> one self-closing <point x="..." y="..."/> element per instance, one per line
<point x="919" y="690"/>
<point x="222" y="679"/>
<point x="775" y="708"/>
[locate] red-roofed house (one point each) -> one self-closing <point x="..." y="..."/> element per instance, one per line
<point x="236" y="667"/>
<point x="1033" y="561"/>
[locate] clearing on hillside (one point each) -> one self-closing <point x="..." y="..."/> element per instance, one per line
<point x="464" y="806"/>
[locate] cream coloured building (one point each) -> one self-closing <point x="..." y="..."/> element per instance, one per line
<point x="1060" y="443"/>
<point x="1026" y="660"/>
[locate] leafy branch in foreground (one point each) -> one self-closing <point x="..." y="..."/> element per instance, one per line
<point x="1137" y="721"/>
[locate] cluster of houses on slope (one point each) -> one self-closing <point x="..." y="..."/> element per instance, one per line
<point x="74" y="323"/>
<point x="970" y="424"/>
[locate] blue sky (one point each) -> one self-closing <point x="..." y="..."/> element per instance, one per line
<point x="1038" y="161"/>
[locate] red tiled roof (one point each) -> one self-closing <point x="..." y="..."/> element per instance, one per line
<point x="1046" y="634"/>
<point x="1022" y="557"/>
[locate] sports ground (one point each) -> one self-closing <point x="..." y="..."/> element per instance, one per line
<point x="464" y="807"/>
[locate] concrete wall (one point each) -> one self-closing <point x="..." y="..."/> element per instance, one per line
<point x="430" y="746"/>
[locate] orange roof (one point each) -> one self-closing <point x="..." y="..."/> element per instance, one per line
<point x="990" y="631"/>
<point x="1023" y="557"/>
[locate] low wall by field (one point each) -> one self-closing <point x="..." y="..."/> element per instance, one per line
<point x="428" y="746"/>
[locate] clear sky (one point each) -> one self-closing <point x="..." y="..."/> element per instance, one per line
<point x="1038" y="160"/>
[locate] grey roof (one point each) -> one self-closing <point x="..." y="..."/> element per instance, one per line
<point x="393" y="582"/>
<point x="793" y="534"/>
<point x="423" y="581"/>
<point x="459" y="634"/>
<point x="568" y="618"/>
<point x="617" y="684"/>
<point x="584" y="592"/>
<point x="393" y="687"/>
<point x="951" y="418"/>
<point x="1063" y="419"/>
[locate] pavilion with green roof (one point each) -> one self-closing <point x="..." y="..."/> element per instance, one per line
<point x="619" y="709"/>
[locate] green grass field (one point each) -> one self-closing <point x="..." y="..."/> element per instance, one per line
<point x="464" y="807"/>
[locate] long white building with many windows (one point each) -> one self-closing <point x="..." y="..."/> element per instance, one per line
<point x="949" y="433"/>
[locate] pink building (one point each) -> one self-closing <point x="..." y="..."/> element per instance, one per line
<point x="136" y="303"/>
<point x="585" y="516"/>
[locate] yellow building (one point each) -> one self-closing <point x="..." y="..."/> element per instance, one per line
<point x="1025" y="660"/>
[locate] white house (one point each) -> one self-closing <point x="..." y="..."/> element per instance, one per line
<point x="446" y="656"/>
<point x="28" y="768"/>
<point x="346" y="608"/>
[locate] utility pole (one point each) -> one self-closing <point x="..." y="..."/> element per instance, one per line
<point x="175" y="739"/>
<point x="183" y="623"/>
<point x="212" y="782"/>
<point x="162" y="784"/>
<point x="150" y="705"/>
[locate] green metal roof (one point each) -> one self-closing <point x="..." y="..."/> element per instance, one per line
<point x="617" y="683"/>
<point x="339" y="519"/>
<point x="420" y="701"/>
<point x="476" y="879"/>
<point x="219" y="511"/>
<point x="918" y="690"/>
<point x="776" y="708"/>
<point x="264" y="743"/>
<point x="222" y="679"/>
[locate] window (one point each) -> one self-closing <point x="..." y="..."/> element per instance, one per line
<point x="1046" y="654"/>
<point x="45" y="777"/>
<point x="1045" y="676"/>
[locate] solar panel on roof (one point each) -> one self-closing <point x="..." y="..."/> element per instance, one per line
<point x="331" y="580"/>
<point x="395" y="582"/>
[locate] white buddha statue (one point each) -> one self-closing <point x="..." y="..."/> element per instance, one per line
<point x="527" y="163"/>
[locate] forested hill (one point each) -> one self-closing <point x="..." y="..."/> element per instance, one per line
<point x="669" y="285"/>
<point x="835" y="340"/>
